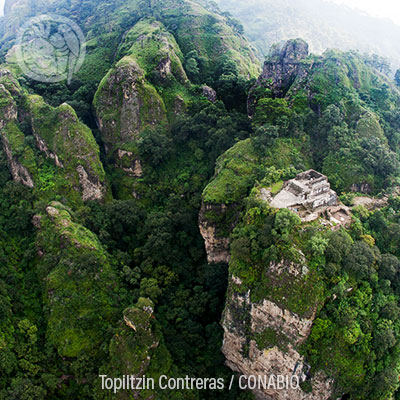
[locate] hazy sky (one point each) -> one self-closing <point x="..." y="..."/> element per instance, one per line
<point x="380" y="8"/>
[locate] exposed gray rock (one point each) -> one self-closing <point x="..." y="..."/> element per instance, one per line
<point x="209" y="93"/>
<point x="281" y="69"/>
<point x="91" y="190"/>
<point x="292" y="51"/>
<point x="361" y="188"/>
<point x="125" y="104"/>
<point x="370" y="203"/>
<point x="42" y="146"/>
<point x="243" y="320"/>
<point x="129" y="163"/>
<point x="164" y="67"/>
<point x="217" y="246"/>
<point x="9" y="113"/>
<point x="36" y="221"/>
<point x="18" y="171"/>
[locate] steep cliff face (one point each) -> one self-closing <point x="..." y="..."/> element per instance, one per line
<point x="262" y="338"/>
<point x="282" y="67"/>
<point x="151" y="50"/>
<point x="222" y="199"/>
<point x="309" y="114"/>
<point x="271" y="301"/>
<point x="269" y="315"/>
<point x="71" y="260"/>
<point x="58" y="133"/>
<point x="12" y="139"/>
<point x="145" y="91"/>
<point x="216" y="244"/>
<point x="285" y="65"/>
<point x="63" y="142"/>
<point x="126" y="104"/>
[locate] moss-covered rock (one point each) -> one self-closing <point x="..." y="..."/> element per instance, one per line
<point x="80" y="286"/>
<point x="155" y="50"/>
<point x="126" y="103"/>
<point x="207" y="32"/>
<point x="137" y="349"/>
<point x="368" y="126"/>
<point x="62" y="159"/>
<point x="20" y="157"/>
<point x="61" y="137"/>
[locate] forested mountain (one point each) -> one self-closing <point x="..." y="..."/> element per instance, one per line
<point x="179" y="209"/>
<point x="99" y="228"/>
<point x="323" y="24"/>
<point x="324" y="261"/>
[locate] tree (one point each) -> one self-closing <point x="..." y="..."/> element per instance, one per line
<point x="154" y="146"/>
<point x="149" y="288"/>
<point x="389" y="267"/>
<point x="338" y="247"/>
<point x="286" y="222"/>
<point x="270" y="110"/>
<point x="318" y="245"/>
<point x="360" y="261"/>
<point x="192" y="69"/>
<point x="264" y="136"/>
<point x="382" y="64"/>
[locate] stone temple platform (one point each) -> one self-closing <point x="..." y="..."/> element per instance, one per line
<point x="309" y="190"/>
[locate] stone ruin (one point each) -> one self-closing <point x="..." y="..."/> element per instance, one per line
<point x="310" y="190"/>
<point x="310" y="196"/>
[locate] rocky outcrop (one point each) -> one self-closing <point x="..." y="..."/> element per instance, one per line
<point x="293" y="51"/>
<point x="209" y="93"/>
<point x="361" y="188"/>
<point x="285" y="65"/>
<point x="136" y="344"/>
<point x="70" y="144"/>
<point x="126" y="104"/>
<point x="42" y="146"/>
<point x="281" y="69"/>
<point x="370" y="203"/>
<point x="18" y="171"/>
<point x="59" y="136"/>
<point x="217" y="245"/>
<point x="73" y="325"/>
<point x="10" y="135"/>
<point x="262" y="339"/>
<point x="157" y="52"/>
<point x="129" y="163"/>
<point x="90" y="190"/>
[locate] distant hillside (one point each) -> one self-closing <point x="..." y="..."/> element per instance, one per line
<point x="323" y="24"/>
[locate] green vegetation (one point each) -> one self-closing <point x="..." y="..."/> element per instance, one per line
<point x="343" y="128"/>
<point x="72" y="285"/>
<point x="270" y="338"/>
